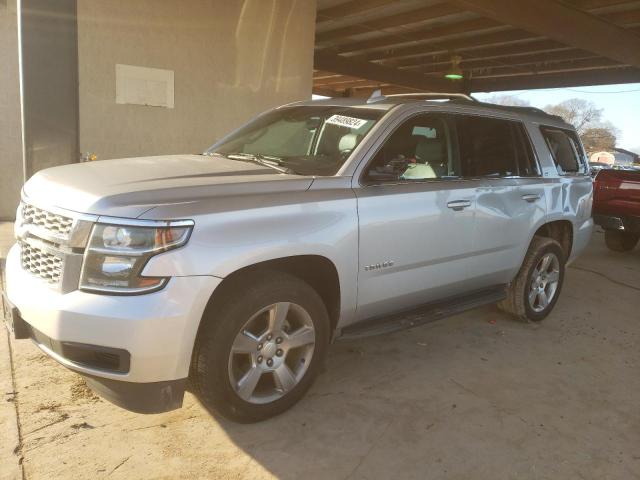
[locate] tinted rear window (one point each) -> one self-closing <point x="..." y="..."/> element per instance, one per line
<point x="494" y="147"/>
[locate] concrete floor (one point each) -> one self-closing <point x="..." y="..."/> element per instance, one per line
<point x="476" y="396"/>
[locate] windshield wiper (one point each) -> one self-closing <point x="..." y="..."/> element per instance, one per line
<point x="264" y="160"/>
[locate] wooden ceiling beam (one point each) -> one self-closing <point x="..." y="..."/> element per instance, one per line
<point x="437" y="32"/>
<point x="538" y="69"/>
<point x="626" y="18"/>
<point x="597" y="4"/>
<point x="564" y="24"/>
<point x="518" y="59"/>
<point x="343" y="81"/>
<point x="482" y="56"/>
<point x="322" y="74"/>
<point x="556" y="80"/>
<point x="379" y="73"/>
<point x="349" y="9"/>
<point x="424" y="14"/>
<point x="492" y="39"/>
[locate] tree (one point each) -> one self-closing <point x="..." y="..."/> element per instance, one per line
<point x="599" y="139"/>
<point x="580" y="113"/>
<point x="596" y="135"/>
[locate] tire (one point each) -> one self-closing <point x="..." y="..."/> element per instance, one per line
<point x="225" y="382"/>
<point x="620" y="241"/>
<point x="527" y="282"/>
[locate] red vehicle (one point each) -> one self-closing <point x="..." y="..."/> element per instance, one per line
<point x="616" y="207"/>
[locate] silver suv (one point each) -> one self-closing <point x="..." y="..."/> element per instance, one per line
<point x="236" y="268"/>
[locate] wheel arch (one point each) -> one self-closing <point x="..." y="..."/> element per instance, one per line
<point x="316" y="270"/>
<point x="559" y="230"/>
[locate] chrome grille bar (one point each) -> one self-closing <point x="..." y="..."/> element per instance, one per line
<point x="57" y="224"/>
<point x="41" y="263"/>
<point x="51" y="243"/>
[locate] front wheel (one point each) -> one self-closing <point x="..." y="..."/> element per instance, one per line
<point x="261" y="348"/>
<point x="535" y="290"/>
<point x="620" y="241"/>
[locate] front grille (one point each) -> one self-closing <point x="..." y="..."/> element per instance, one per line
<point x="51" y="222"/>
<point x="52" y="243"/>
<point x="41" y="263"/>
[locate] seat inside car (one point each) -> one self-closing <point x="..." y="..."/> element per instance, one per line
<point x="348" y="142"/>
<point x="430" y="151"/>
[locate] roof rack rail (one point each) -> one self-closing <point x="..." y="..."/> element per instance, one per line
<point x="435" y="95"/>
<point x="377" y="96"/>
<point x="519" y="108"/>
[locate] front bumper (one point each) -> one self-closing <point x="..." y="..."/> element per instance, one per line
<point x="156" y="333"/>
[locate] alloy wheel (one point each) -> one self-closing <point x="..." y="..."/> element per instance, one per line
<point x="544" y="282"/>
<point x="271" y="353"/>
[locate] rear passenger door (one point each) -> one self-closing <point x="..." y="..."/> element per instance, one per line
<point x="510" y="201"/>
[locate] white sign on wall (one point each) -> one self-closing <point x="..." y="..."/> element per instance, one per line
<point x="144" y="86"/>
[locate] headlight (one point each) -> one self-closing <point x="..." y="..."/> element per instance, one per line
<point x="117" y="254"/>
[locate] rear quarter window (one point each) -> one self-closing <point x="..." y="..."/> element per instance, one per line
<point x="565" y="149"/>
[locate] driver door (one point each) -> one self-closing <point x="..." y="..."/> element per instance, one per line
<point x="416" y="219"/>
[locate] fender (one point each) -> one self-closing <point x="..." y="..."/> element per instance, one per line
<point x="235" y="232"/>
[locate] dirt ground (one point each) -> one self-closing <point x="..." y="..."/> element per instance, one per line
<point x="475" y="396"/>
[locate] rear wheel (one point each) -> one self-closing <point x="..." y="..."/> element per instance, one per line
<point x="535" y="290"/>
<point x="620" y="241"/>
<point x="261" y="349"/>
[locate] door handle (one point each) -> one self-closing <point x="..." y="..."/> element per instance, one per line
<point x="531" y="197"/>
<point x="458" y="205"/>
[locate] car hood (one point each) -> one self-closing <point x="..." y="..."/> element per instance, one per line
<point x="131" y="186"/>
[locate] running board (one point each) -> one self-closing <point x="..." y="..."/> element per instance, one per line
<point x="425" y="314"/>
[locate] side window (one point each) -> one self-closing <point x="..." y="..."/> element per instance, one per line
<point x="565" y="149"/>
<point x="494" y="147"/>
<point x="420" y="149"/>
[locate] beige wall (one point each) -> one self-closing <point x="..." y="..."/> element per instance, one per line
<point x="10" y="131"/>
<point x="231" y="58"/>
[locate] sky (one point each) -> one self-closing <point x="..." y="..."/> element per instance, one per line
<point x="621" y="104"/>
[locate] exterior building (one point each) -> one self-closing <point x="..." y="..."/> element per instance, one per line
<point x="603" y="157"/>
<point x="619" y="156"/>
<point x="625" y="157"/>
<point x="114" y="78"/>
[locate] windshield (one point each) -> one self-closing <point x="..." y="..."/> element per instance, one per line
<point x="307" y="140"/>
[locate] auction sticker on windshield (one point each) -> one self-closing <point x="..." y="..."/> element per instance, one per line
<point x="344" y="121"/>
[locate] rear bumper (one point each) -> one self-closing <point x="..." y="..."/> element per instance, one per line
<point x="621" y="223"/>
<point x="134" y="350"/>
